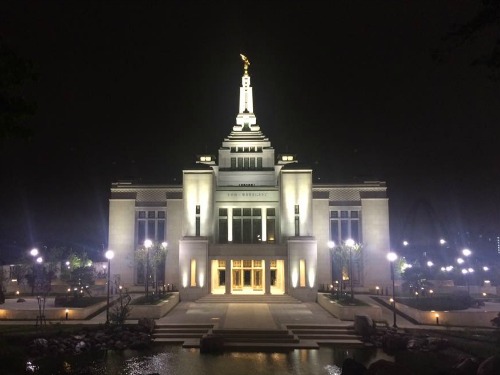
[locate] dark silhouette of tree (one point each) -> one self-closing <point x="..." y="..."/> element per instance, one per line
<point x="15" y="72"/>
<point x="480" y="35"/>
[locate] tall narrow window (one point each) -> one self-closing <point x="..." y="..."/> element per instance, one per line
<point x="197" y="220"/>
<point x="247" y="225"/>
<point x="302" y="273"/>
<point x="297" y="221"/>
<point x="193" y="272"/>
<point x="345" y="225"/>
<point x="150" y="225"/>
<point x="223" y="225"/>
<point x="271" y="225"/>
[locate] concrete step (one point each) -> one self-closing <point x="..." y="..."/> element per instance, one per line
<point x="304" y="331"/>
<point x="231" y="298"/>
<point x="194" y="325"/>
<point x="180" y="330"/>
<point x="156" y="336"/>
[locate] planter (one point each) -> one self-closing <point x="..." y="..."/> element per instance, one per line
<point x="154" y="311"/>
<point x="348" y="312"/>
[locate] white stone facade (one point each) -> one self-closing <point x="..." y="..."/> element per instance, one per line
<point x="250" y="222"/>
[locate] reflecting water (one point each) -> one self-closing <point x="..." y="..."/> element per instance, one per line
<point x="173" y="360"/>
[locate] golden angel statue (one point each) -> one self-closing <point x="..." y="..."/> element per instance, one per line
<point x="246" y="63"/>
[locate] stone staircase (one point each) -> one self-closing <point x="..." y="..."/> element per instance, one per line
<point x="180" y="333"/>
<point x="327" y="334"/>
<point x="251" y="298"/>
<point x="241" y="340"/>
<point x="294" y="336"/>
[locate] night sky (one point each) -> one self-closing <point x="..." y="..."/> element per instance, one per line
<point x="134" y="90"/>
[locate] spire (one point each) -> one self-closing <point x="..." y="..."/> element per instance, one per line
<point x="246" y="120"/>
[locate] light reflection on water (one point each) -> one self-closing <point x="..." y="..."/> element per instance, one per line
<point x="174" y="360"/>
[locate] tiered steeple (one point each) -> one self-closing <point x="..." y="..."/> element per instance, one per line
<point x="246" y="120"/>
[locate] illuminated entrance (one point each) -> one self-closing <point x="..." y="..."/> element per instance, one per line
<point x="248" y="276"/>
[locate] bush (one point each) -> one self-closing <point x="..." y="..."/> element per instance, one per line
<point x="441" y="303"/>
<point x="63" y="301"/>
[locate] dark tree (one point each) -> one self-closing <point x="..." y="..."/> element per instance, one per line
<point x="15" y="72"/>
<point x="480" y="37"/>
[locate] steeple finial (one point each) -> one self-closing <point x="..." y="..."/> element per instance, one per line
<point x="246" y="63"/>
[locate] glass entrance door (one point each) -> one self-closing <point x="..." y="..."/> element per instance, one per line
<point x="247" y="276"/>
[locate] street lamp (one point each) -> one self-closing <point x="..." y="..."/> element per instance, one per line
<point x="109" y="255"/>
<point x="147" y="245"/>
<point x="350" y="244"/>
<point x="331" y="245"/>
<point x="34" y="253"/>
<point x="391" y="257"/>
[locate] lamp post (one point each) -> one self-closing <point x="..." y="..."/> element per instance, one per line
<point x="391" y="257"/>
<point x="36" y="259"/>
<point x="109" y="255"/>
<point x="350" y="244"/>
<point x="147" y="245"/>
<point x="331" y="245"/>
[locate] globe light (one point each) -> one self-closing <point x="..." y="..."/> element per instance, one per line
<point x="430" y="263"/>
<point x="331" y="244"/>
<point x="391" y="257"/>
<point x="350" y="242"/>
<point x="405" y="243"/>
<point x="442" y="241"/>
<point x="466" y="252"/>
<point x="460" y="260"/>
<point x="34" y="252"/>
<point x="486" y="268"/>
<point x="148" y="243"/>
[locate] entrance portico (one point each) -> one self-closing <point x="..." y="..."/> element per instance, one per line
<point x="248" y="276"/>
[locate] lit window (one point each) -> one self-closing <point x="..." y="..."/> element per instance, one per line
<point x="193" y="272"/>
<point x="302" y="273"/>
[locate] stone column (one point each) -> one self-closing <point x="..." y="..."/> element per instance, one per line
<point x="229" y="275"/>
<point x="267" y="272"/>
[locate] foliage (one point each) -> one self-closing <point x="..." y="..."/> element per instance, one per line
<point x="151" y="258"/>
<point x="79" y="273"/>
<point x="15" y="72"/>
<point x="344" y="256"/>
<point x="146" y="301"/>
<point x="63" y="301"/>
<point x="40" y="276"/>
<point x="480" y="35"/>
<point x="440" y="303"/>
<point x="496" y="321"/>
<point x="121" y="309"/>
<point x="416" y="280"/>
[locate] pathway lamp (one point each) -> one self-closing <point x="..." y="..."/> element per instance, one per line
<point x="391" y="257"/>
<point x="110" y="254"/>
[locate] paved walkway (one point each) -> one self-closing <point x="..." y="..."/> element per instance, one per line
<point x="237" y="315"/>
<point x="249" y="315"/>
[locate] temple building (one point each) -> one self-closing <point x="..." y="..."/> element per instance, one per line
<point x="250" y="221"/>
